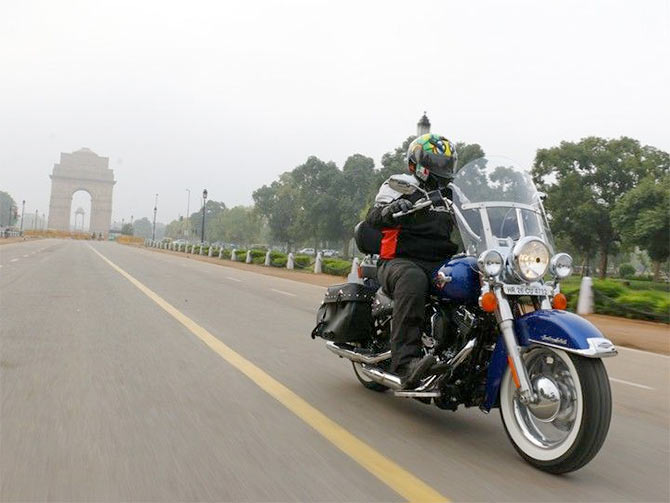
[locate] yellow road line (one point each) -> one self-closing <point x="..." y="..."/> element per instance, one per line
<point x="397" y="478"/>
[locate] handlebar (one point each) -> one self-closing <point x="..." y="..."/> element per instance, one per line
<point x="429" y="201"/>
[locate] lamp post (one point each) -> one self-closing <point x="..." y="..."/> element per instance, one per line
<point x="23" y="210"/>
<point x="44" y="222"/>
<point x="204" y="205"/>
<point x="35" y="221"/>
<point x="188" y="208"/>
<point x="153" y="230"/>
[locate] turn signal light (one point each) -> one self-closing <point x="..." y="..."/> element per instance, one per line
<point x="560" y="301"/>
<point x="360" y="272"/>
<point x="488" y="302"/>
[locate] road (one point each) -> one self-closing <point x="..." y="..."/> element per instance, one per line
<point x="132" y="375"/>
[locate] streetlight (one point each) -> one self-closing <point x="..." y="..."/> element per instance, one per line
<point x="23" y="210"/>
<point x="188" y="208"/>
<point x="204" y="204"/>
<point x="153" y="230"/>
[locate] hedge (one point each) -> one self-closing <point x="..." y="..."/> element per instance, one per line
<point x="624" y="298"/>
<point x="336" y="266"/>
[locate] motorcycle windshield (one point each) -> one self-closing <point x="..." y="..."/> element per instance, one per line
<point x="499" y="205"/>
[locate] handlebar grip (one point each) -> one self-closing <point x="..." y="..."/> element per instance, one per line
<point x="418" y="206"/>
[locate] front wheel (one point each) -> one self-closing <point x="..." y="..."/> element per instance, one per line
<point x="566" y="428"/>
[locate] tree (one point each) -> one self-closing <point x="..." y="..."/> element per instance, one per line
<point x="212" y="209"/>
<point x="8" y="210"/>
<point x="357" y="184"/>
<point x="278" y="204"/>
<point x="319" y="186"/>
<point x="240" y="225"/>
<point x="142" y="227"/>
<point x="584" y="180"/>
<point x="177" y="228"/>
<point x="642" y="219"/>
<point x="127" y="229"/>
<point x="468" y="152"/>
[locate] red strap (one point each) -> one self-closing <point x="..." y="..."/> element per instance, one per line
<point x="389" y="243"/>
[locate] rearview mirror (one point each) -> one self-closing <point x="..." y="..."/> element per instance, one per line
<point x="402" y="186"/>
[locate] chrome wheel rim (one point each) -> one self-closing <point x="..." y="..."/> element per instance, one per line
<point x="549" y="422"/>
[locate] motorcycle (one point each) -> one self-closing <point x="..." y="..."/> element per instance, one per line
<point x="495" y="321"/>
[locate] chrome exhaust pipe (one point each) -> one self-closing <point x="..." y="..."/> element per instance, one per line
<point x="357" y="357"/>
<point x="391" y="381"/>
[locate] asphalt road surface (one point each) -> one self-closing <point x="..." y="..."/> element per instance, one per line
<point x="132" y="375"/>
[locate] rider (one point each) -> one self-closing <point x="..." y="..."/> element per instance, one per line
<point x="412" y="247"/>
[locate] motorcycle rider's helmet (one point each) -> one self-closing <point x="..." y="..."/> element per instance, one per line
<point x="432" y="156"/>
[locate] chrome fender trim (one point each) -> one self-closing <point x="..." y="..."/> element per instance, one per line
<point x="599" y="347"/>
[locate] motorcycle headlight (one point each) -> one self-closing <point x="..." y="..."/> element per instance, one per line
<point x="561" y="265"/>
<point x="530" y="258"/>
<point x="490" y="263"/>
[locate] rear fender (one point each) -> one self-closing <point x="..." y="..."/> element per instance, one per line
<point x="553" y="328"/>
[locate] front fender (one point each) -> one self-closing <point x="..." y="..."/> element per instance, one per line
<point x="563" y="330"/>
<point x="554" y="328"/>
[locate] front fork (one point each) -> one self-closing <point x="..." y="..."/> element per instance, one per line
<point x="506" y="324"/>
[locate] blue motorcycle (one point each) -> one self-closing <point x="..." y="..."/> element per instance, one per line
<point x="496" y="321"/>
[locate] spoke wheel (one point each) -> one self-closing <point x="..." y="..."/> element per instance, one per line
<point x="566" y="427"/>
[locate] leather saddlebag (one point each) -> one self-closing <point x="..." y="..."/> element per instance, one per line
<point x="345" y="315"/>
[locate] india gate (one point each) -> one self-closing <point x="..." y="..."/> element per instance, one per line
<point x="82" y="170"/>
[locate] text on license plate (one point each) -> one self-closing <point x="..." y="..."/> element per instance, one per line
<point x="526" y="290"/>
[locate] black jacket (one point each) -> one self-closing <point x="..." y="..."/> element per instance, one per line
<point x="424" y="235"/>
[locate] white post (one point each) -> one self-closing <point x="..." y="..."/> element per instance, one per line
<point x="353" y="275"/>
<point x="585" y="301"/>
<point x="202" y="249"/>
<point x="211" y="248"/>
<point x="248" y="260"/>
<point x="289" y="262"/>
<point x="221" y="252"/>
<point x="233" y="255"/>
<point x="318" y="265"/>
<point x="192" y="249"/>
<point x="267" y="259"/>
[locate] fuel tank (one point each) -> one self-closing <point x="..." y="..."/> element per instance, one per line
<point x="457" y="280"/>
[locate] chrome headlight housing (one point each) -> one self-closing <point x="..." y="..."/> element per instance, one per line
<point x="530" y="258"/>
<point x="561" y="265"/>
<point x="490" y="263"/>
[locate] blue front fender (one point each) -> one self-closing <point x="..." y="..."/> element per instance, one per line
<point x="558" y="329"/>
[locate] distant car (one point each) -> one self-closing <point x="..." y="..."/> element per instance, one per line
<point x="329" y="253"/>
<point x="307" y="251"/>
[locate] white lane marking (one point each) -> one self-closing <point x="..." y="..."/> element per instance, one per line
<point x="25" y="256"/>
<point x="614" y="379"/>
<point x="283" y="292"/>
<point x="234" y="279"/>
<point x="649" y="353"/>
<point x="14" y="260"/>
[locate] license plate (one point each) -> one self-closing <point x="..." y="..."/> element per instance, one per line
<point x="526" y="290"/>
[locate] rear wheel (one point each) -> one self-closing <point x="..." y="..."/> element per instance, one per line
<point x="567" y="427"/>
<point x="366" y="381"/>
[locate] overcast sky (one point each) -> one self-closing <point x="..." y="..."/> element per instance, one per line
<point x="228" y="95"/>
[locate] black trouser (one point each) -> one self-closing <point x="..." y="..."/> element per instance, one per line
<point x="408" y="282"/>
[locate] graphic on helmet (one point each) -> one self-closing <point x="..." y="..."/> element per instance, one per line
<point x="432" y="154"/>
